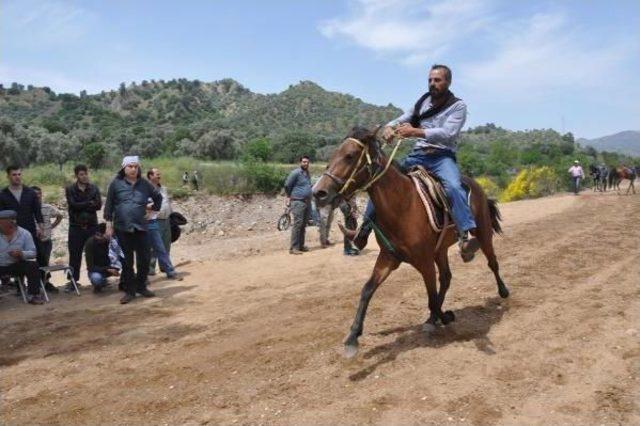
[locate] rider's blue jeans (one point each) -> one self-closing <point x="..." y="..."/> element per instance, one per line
<point x="444" y="166"/>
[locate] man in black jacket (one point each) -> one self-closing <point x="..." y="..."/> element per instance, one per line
<point x="83" y="200"/>
<point x="24" y="201"/>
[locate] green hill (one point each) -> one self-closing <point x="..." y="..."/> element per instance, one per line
<point x="177" y="117"/>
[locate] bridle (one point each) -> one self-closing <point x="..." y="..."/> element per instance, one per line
<point x="376" y="170"/>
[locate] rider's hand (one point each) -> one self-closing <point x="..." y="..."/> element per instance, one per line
<point x="406" y="130"/>
<point x="388" y="133"/>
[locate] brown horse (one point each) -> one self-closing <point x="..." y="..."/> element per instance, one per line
<point x="401" y="218"/>
<point x="620" y="173"/>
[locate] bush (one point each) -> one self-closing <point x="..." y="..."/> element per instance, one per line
<point x="531" y="183"/>
<point x="258" y="149"/>
<point x="490" y="187"/>
<point x="264" y="177"/>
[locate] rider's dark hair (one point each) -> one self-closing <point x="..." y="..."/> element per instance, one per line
<point x="304" y="156"/>
<point x="447" y="70"/>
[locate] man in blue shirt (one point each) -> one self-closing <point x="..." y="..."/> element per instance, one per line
<point x="18" y="254"/>
<point x="298" y="190"/>
<point x="435" y="121"/>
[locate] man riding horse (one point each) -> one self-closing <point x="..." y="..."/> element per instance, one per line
<point x="435" y="121"/>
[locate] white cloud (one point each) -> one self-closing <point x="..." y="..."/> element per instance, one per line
<point x="546" y="52"/>
<point x="409" y="30"/>
<point x="31" y="23"/>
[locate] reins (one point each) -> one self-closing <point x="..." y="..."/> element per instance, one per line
<point x="360" y="166"/>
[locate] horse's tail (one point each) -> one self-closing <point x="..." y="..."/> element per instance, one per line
<point x="495" y="215"/>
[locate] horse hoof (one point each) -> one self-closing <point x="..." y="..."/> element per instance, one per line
<point x="503" y="292"/>
<point x="447" y="317"/>
<point x="428" y="327"/>
<point x="350" y="351"/>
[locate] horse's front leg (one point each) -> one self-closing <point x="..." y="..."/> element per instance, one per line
<point x="428" y="271"/>
<point x="385" y="264"/>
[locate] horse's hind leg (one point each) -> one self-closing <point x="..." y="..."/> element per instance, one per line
<point x="444" y="275"/>
<point x="486" y="245"/>
<point x="385" y="264"/>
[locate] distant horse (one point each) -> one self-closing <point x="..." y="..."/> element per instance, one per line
<point x="596" y="174"/>
<point x="403" y="229"/>
<point x="618" y="174"/>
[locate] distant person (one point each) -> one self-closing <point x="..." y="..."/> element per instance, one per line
<point x="185" y="179"/>
<point x="298" y="190"/>
<point x="577" y="174"/>
<point x="84" y="202"/>
<point x="24" y="201"/>
<point x="195" y="180"/>
<point x="100" y="265"/>
<point x="349" y="210"/>
<point x="18" y="254"/>
<point x="125" y="212"/>
<point x="325" y="215"/>
<point x="44" y="244"/>
<point x="159" y="229"/>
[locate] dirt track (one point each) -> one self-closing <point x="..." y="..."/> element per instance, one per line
<point x="257" y="339"/>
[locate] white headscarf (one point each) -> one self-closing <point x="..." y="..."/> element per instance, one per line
<point x="130" y="159"/>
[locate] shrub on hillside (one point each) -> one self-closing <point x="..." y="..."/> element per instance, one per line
<point x="531" y="183"/>
<point x="264" y="177"/>
<point x="490" y="187"/>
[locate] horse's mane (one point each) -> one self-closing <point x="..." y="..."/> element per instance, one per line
<point x="368" y="137"/>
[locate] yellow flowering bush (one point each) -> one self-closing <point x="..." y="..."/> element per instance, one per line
<point x="531" y="183"/>
<point x="490" y="187"/>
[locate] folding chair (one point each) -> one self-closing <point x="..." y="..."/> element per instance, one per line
<point x="68" y="270"/>
<point x="23" y="288"/>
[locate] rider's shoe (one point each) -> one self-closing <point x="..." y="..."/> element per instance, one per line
<point x="468" y="247"/>
<point x="358" y="237"/>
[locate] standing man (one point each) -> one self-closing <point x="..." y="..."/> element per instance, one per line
<point x="24" y="201"/>
<point x="325" y="215"/>
<point x="159" y="229"/>
<point x="44" y="245"/>
<point x="18" y="254"/>
<point x="195" y="180"/>
<point x="349" y="210"/>
<point x="298" y="190"/>
<point x="576" y="173"/>
<point x="125" y="212"/>
<point x="83" y="201"/>
<point x="435" y="122"/>
<point x="185" y="178"/>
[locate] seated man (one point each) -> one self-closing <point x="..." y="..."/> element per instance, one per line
<point x="18" y="254"/>
<point x="435" y="122"/>
<point x="99" y="263"/>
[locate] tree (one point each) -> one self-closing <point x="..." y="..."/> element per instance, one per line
<point x="259" y="149"/>
<point x="293" y="145"/>
<point x="95" y="153"/>
<point x="57" y="148"/>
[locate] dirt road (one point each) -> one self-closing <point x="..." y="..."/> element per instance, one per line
<point x="254" y="336"/>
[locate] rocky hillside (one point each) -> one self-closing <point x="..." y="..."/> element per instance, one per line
<point x="627" y="142"/>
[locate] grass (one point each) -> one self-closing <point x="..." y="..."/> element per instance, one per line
<point x="216" y="177"/>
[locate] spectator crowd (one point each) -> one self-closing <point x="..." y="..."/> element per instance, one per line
<point x="137" y="225"/>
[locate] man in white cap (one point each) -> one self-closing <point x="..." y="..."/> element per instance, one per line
<point x="18" y="254"/>
<point x="125" y="212"/>
<point x="576" y="173"/>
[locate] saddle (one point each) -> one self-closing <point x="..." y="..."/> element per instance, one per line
<point x="434" y="198"/>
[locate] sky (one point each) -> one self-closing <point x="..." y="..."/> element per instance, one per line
<point x="566" y="65"/>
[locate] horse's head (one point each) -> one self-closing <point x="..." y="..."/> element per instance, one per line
<point x="349" y="168"/>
